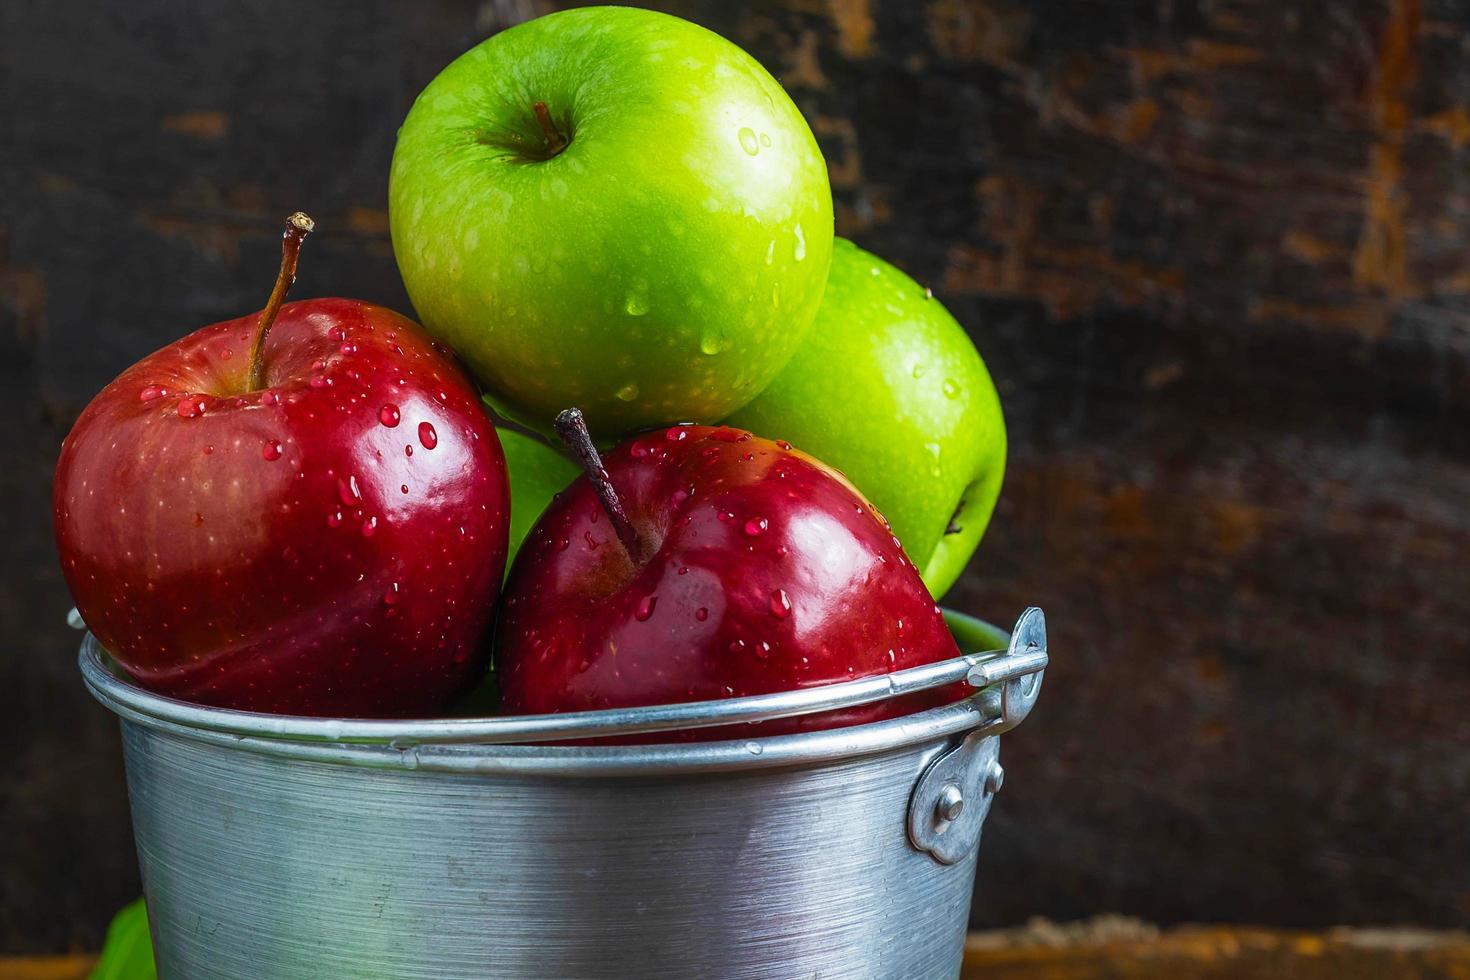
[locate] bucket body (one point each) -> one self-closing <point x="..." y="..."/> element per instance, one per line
<point x="810" y="855"/>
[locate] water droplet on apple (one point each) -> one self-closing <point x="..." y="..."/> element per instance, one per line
<point x="782" y="444"/>
<point x="269" y="398"/>
<point x="348" y="347"/>
<point x="337" y="333"/>
<point x="763" y="649"/>
<point x="934" y="450"/>
<point x="636" y="304"/>
<point x="151" y="392"/>
<point x="334" y="519"/>
<point x="771" y="252"/>
<point x="208" y="450"/>
<point x="389" y="415"/>
<point x="727" y="516"/>
<point x="780" y="604"/>
<point x="347" y="491"/>
<point x="403" y="488"/>
<point x="592" y="542"/>
<point x="918" y="371"/>
<point x="190" y="407"/>
<point x="951" y="390"/>
<point x="319" y="381"/>
<point x="799" y="252"/>
<point x="628" y="392"/>
<point x="701" y="614"/>
<point x="683" y="569"/>
<point x="678" y="497"/>
<point x="645" y="608"/>
<point x="754" y="748"/>
<point x="408" y="450"/>
<point x="756" y="526"/>
<point x="765" y="139"/>
<point x="370" y="527"/>
<point x="198" y="519"/>
<point x="736" y="646"/>
<point x="712" y="342"/>
<point x="271" y="451"/>
<point x="748" y="141"/>
<point x="427" y="436"/>
<point x="392" y="595"/>
<point x="562" y="544"/>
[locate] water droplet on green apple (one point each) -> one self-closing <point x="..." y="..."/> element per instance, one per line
<point x="628" y="392"/>
<point x="951" y="390"/>
<point x="934" y="450"/>
<point x="918" y="371"/>
<point x="748" y="141"/>
<point x="799" y="252"/>
<point x="712" y="342"/>
<point x="637" y="304"/>
<point x="765" y="139"/>
<point x="771" y="252"/>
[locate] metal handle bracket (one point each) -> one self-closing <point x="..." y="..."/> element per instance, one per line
<point x="953" y="796"/>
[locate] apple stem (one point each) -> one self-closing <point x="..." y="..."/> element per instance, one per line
<point x="555" y="141"/>
<point x="298" y="226"/>
<point x="572" y="428"/>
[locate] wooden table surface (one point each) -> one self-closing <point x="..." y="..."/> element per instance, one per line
<point x="1110" y="948"/>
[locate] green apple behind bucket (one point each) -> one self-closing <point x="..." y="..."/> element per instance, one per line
<point x="615" y="209"/>
<point x="889" y="389"/>
<point x="537" y="473"/>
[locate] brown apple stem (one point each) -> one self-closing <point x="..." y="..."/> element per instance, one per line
<point x="572" y="428"/>
<point x="555" y="141"/>
<point x="298" y="226"/>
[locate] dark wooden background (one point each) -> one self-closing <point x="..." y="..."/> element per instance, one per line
<point x="1214" y="251"/>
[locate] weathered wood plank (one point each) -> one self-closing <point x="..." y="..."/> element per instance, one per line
<point x="1081" y="951"/>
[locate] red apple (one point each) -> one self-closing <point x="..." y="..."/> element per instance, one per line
<point x="318" y="531"/>
<point x="705" y="563"/>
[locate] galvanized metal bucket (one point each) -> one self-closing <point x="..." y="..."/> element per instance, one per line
<point x="282" y="848"/>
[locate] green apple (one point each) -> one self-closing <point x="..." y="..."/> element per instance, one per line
<point x="615" y="209"/>
<point x="537" y="473"/>
<point x="888" y="388"/>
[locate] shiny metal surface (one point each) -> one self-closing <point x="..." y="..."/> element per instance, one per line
<point x="272" y="856"/>
<point x="979" y="670"/>
<point x="953" y="798"/>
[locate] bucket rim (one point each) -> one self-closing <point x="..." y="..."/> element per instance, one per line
<point x="1008" y="681"/>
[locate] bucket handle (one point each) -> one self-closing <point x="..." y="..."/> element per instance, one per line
<point x="952" y="798"/>
<point x="1017" y="671"/>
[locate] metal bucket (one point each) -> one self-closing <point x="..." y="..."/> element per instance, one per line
<point x="283" y="848"/>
